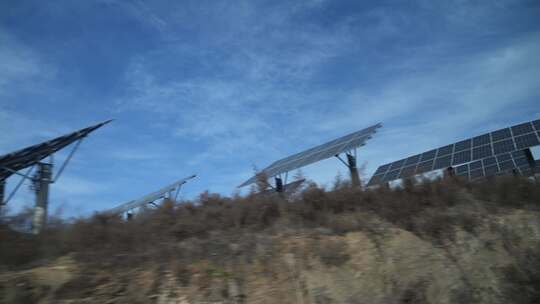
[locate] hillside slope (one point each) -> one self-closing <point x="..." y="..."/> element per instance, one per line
<point x="437" y="242"/>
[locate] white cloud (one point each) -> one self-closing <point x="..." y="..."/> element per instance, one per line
<point x="19" y="64"/>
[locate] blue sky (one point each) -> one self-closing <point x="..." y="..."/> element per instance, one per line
<point x="215" y="87"/>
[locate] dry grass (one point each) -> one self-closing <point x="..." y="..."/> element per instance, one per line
<point x="431" y="209"/>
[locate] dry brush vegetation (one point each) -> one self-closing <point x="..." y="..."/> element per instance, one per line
<point x="200" y="240"/>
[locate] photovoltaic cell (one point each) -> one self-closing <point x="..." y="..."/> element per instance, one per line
<point x="424" y="166"/>
<point x="30" y="156"/>
<point x="484" y="148"/>
<point x="442" y="162"/>
<point x="446" y="150"/>
<point x="462" y="157"/>
<point x="523" y="128"/>
<point x="501" y="134"/>
<point x="482" y="151"/>
<point x="428" y="155"/>
<point x="520" y="162"/>
<point x="507" y="165"/>
<point x="397" y="165"/>
<point x="525" y="141"/>
<point x="491" y="170"/>
<point x="475" y="165"/>
<point x="488" y="161"/>
<point x="462" y="169"/>
<point x="382" y="169"/>
<point x="463" y="145"/>
<point x="518" y="154"/>
<point x="391" y="175"/>
<point x="315" y="154"/>
<point x="412" y="160"/>
<point x="476" y="173"/>
<point x="503" y="146"/>
<point x="536" y="124"/>
<point x="503" y="157"/>
<point x="407" y="171"/>
<point x="481" y="140"/>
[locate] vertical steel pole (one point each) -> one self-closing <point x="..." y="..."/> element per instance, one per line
<point x="2" y="190"/>
<point x="355" y="178"/>
<point x="279" y="185"/>
<point x="42" y="197"/>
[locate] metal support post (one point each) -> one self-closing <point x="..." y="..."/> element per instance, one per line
<point x="42" y="182"/>
<point x="449" y="172"/>
<point x="2" y="190"/>
<point x="355" y="178"/>
<point x="279" y="185"/>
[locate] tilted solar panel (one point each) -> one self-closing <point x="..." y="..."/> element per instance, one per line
<point x="315" y="154"/>
<point x="149" y="198"/>
<point x="29" y="156"/>
<point x="484" y="155"/>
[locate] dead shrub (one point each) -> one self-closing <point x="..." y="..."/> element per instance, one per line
<point x="332" y="252"/>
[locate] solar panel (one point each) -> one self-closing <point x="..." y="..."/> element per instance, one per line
<point x="149" y="198"/>
<point x="486" y="155"/>
<point x="315" y="154"/>
<point x="29" y="156"/>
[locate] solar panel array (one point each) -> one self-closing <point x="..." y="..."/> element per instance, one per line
<point x="147" y="198"/>
<point x="485" y="155"/>
<point x="29" y="156"/>
<point x="327" y="150"/>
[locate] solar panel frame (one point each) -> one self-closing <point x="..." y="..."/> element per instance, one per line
<point x="318" y="153"/>
<point x="31" y="155"/>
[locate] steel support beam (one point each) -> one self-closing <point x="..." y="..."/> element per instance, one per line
<point x="279" y="185"/>
<point x="42" y="183"/>
<point x="2" y="191"/>
<point x="351" y="164"/>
